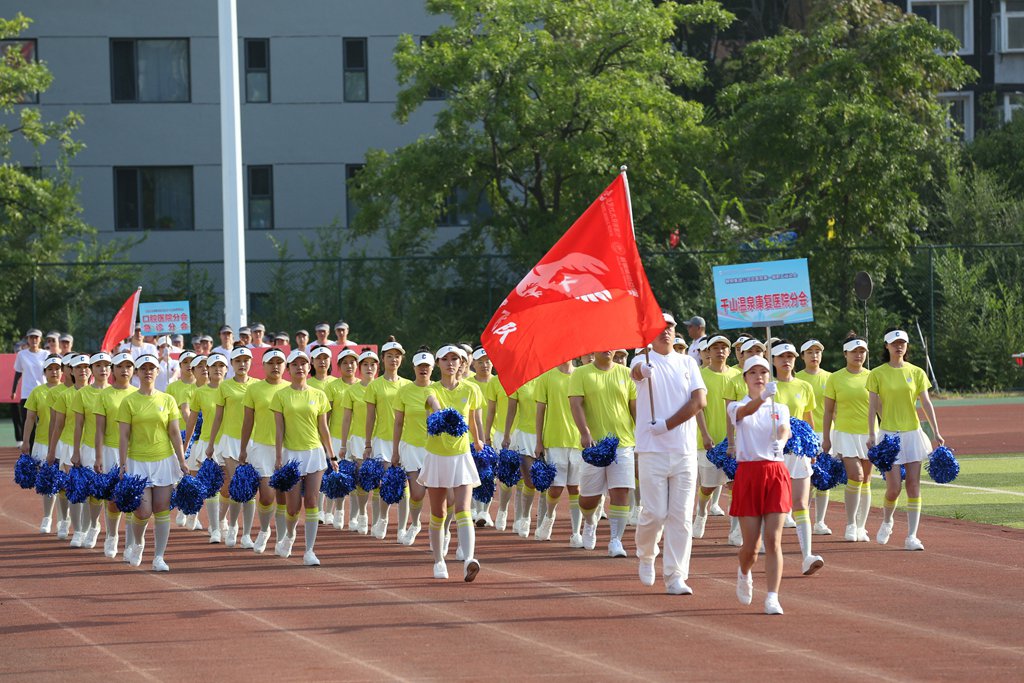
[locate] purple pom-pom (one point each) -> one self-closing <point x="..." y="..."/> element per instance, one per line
<point x="392" y="485"/>
<point x="942" y="465"/>
<point x="446" y="421"/>
<point x="50" y="480"/>
<point x="189" y="495"/>
<point x="103" y="484"/>
<point x="128" y="492"/>
<point x="602" y="453"/>
<point x="883" y="455"/>
<point x="508" y="467"/>
<point x="542" y="474"/>
<point x="370" y="473"/>
<point x="286" y="476"/>
<point x="211" y="476"/>
<point x="245" y="484"/>
<point x="79" y="486"/>
<point x="25" y="471"/>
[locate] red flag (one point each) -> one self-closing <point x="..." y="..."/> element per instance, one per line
<point x="589" y="293"/>
<point x="123" y="324"/>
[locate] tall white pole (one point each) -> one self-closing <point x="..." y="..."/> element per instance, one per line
<point x="231" y="166"/>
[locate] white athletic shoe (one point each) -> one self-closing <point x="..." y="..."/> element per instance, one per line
<point x="196" y="524"/>
<point x="353" y="523"/>
<point x="322" y="517"/>
<point x="501" y="520"/>
<point x="524" y="528"/>
<point x="821" y="529"/>
<point x="329" y="518"/>
<point x="77" y="539"/>
<point x="380" y="528"/>
<point x="310" y="559"/>
<point x="862" y="536"/>
<point x="678" y="587"/>
<point x="589" y="536"/>
<point x="544" y="528"/>
<point x="62" y="529"/>
<point x="790" y="523"/>
<point x="136" y="558"/>
<point x="615" y="548"/>
<point x="214" y="535"/>
<point x="411" y="534"/>
<point x="736" y="537"/>
<point x="363" y="525"/>
<point x="159" y="565"/>
<point x="179" y="518"/>
<point x="576" y="541"/>
<point x="223" y="526"/>
<point x="246" y="542"/>
<point x="231" y="538"/>
<point x="260" y="544"/>
<point x="744" y="587"/>
<point x="446" y="544"/>
<point x="913" y="543"/>
<point x="286" y="546"/>
<point x="45" y="524"/>
<point x="339" y="520"/>
<point x="884" y="532"/>
<point x="851" y="533"/>
<point x="474" y="514"/>
<point x="772" y="606"/>
<point x="459" y="554"/>
<point x="400" y="536"/>
<point x="91" y="536"/>
<point x="110" y="546"/>
<point x="647" y="574"/>
<point x="470" y="568"/>
<point x="698" y="525"/>
<point x="812" y="563"/>
<point x="440" y="570"/>
<point x="716" y="510"/>
<point x="278" y="548"/>
<point x="484" y="519"/>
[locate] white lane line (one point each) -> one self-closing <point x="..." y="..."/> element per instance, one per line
<point x="966" y="488"/>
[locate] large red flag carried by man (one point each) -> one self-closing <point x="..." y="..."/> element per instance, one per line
<point x="123" y="324"/>
<point x="588" y="293"/>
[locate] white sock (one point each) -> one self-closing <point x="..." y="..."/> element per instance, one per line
<point x="864" y="507"/>
<point x="281" y="520"/>
<point x="234" y="507"/>
<point x="248" y="515"/>
<point x="161" y="532"/>
<point x="266" y="512"/>
<point x="504" y="497"/>
<point x="64" y="507"/>
<point x="803" y="530"/>
<point x="467" y="533"/>
<point x="213" y="511"/>
<point x="403" y="512"/>
<point x="312" y="522"/>
<point x="716" y="494"/>
<point x="542" y="508"/>
<point x="575" y="515"/>
<point x="48" y="502"/>
<point x="820" y="506"/>
<point x="129" y="530"/>
<point x="851" y="496"/>
<point x="527" y="503"/>
<point x="78" y="517"/>
<point x="436" y="538"/>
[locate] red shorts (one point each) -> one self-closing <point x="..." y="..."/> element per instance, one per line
<point x="761" y="487"/>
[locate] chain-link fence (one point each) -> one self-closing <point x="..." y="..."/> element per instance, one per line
<point x="967" y="300"/>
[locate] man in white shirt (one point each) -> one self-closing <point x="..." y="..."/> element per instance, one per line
<point x="177" y="343"/>
<point x="169" y="368"/>
<point x="341" y="332"/>
<point x="28" y="369"/>
<point x="302" y="341"/>
<point x="666" y="452"/>
<point x="53" y="343"/>
<point x="322" y="332"/>
<point x="227" y="343"/>
<point x="695" y="327"/>
<point x="257" y="331"/>
<point x="245" y="336"/>
<point x="67" y="344"/>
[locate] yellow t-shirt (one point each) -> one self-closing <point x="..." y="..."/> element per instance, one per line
<point x="182" y="393"/>
<point x="206" y="401"/>
<point x="412" y="403"/>
<point x="83" y="404"/>
<point x="552" y="389"/>
<point x="108" y="406"/>
<point x="526" y="411"/>
<point x="384" y="394"/>
<point x="62" y="404"/>
<point x="39" y="403"/>
<point x="321" y="385"/>
<point x="495" y="392"/>
<point x="606" y="396"/>
<point x="720" y="385"/>
<point x="355" y="400"/>
<point x="817" y="383"/>
<point x="898" y="388"/>
<point x="230" y="397"/>
<point x="465" y="397"/>
<point x="301" y="410"/>
<point x="149" y="417"/>
<point x="850" y="392"/>
<point x="259" y="396"/>
<point x="737" y="388"/>
<point x="798" y="396"/>
<point x="335" y="393"/>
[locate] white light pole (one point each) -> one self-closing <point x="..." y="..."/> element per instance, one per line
<point x="231" y="166"/>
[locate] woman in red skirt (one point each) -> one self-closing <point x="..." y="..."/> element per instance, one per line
<point x="761" y="489"/>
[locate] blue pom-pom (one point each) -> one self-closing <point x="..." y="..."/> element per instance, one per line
<point x="245" y="484"/>
<point x="371" y="472"/>
<point x="446" y="421"/>
<point x="484" y="493"/>
<point x="286" y="476"/>
<point x="189" y="495"/>
<point x="392" y="485"/>
<point x="822" y="472"/>
<point x="103" y="484"/>
<point x="485" y="458"/>
<point x="602" y="453"/>
<point x="838" y="473"/>
<point x="508" y="467"/>
<point x="79" y="484"/>
<point x="903" y="473"/>
<point x="720" y="458"/>
<point x="942" y="465"/>
<point x="211" y="476"/>
<point x="803" y="441"/>
<point x="542" y="474"/>
<point x="339" y="484"/>
<point x="50" y="480"/>
<point x="198" y="431"/>
<point x="25" y="471"/>
<point x="883" y="455"/>
<point x="128" y="492"/>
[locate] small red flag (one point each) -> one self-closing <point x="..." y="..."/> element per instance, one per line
<point x="123" y="324"/>
<point x="589" y="293"/>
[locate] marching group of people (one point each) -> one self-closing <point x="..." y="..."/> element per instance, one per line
<point x="323" y="400"/>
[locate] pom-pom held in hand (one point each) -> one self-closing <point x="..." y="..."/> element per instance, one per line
<point x="128" y="492"/>
<point x="803" y="440"/>
<point x="25" y="471"/>
<point x="50" y="480"/>
<point x="602" y="453"/>
<point x="392" y="485"/>
<point x="942" y="465"/>
<point x="446" y="421"/>
<point x="508" y="467"/>
<point x="719" y="457"/>
<point x="484" y="459"/>
<point x="79" y="484"/>
<point x="339" y="484"/>
<point x="883" y="455"/>
<point x="484" y="493"/>
<point x="542" y="474"/>
<point x="370" y="473"/>
<point x="188" y="495"/>
<point x="903" y="473"/>
<point x="285" y="477"/>
<point x="211" y="476"/>
<point x="823" y="471"/>
<point x="838" y="473"/>
<point x="245" y="484"/>
<point x="103" y="484"/>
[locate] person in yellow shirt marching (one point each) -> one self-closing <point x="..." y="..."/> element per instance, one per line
<point x="320" y="357"/>
<point x="347" y="361"/>
<point x="483" y="376"/>
<point x="409" y="441"/>
<point x="558" y="441"/>
<point x="62" y="432"/>
<point x="84" y="452"/>
<point x="108" y="437"/>
<point x="206" y="398"/>
<point x="810" y="353"/>
<point x="37" y="414"/>
<point x="521" y="435"/>
<point x="182" y="390"/>
<point x="354" y="438"/>
<point x="497" y="412"/>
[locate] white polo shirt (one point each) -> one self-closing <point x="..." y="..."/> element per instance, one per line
<point x="30" y="365"/>
<point x="755" y="433"/>
<point x="692" y="352"/>
<point x="674" y="378"/>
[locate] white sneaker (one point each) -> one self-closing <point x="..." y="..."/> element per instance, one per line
<point x="110" y="546"/>
<point x="44" y="525"/>
<point x="322" y="517"/>
<point x="77" y="539"/>
<point x="698" y="526"/>
<point x="279" y="548"/>
<point x="329" y="518"/>
<point x="589" y="536"/>
<point x="127" y="556"/>
<point x="223" y="526"/>
<point x="716" y="511"/>
<point x="446" y="544"/>
<point x="380" y="528"/>
<point x="62" y="529"/>
<point x="339" y="520"/>
<point x="790" y="523"/>
<point x="246" y="542"/>
<point x="500" y="520"/>
<point x="736" y="537"/>
<point x="214" y="535"/>
<point x="310" y="559"/>
<point x="576" y="541"/>
<point x="544" y="528"/>
<point x="260" y="544"/>
<point x="615" y="548"/>
<point x="884" y="532"/>
<point x="440" y="570"/>
<point x="851" y="533"/>
<point x="286" y="546"/>
<point x="353" y="523"/>
<point x="913" y="543"/>
<point x="862" y="535"/>
<point x="470" y="569"/>
<point x="772" y="606"/>
<point x="159" y="565"/>
<point x="678" y="587"/>
<point x="196" y="524"/>
<point x="647" y="574"/>
<point x="400" y="536"/>
<point x="179" y="518"/>
<point x="459" y="554"/>
<point x="634" y="516"/>
<point x="820" y="529"/>
<point x="231" y="538"/>
<point x="136" y="558"/>
<point x="812" y="563"/>
<point x="485" y="519"/>
<point x="91" y="536"/>
<point x="524" y="528"/>
<point x="474" y="514"/>
<point x="411" y="534"/>
<point x="744" y="587"/>
<point x="363" y="525"/>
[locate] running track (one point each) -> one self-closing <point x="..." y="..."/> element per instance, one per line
<point x="371" y="612"/>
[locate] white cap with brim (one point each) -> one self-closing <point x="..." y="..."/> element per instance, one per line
<point x="163" y="341"/>
<point x="368" y="355"/>
<point x="122" y="357"/>
<point x="751" y="343"/>
<point x="321" y="351"/>
<point x="79" y="359"/>
<point x="298" y="354"/>
<point x="259" y="327"/>
<point x="679" y="341"/>
<point x="714" y="340"/>
<point x="33" y="333"/>
<point x="186" y="356"/>
<point x="810" y="344"/>
<point x="272" y="354"/>
<point x="449" y="348"/>
<point x="215" y="358"/>
<point x="741" y="340"/>
<point x="669" y="318"/>
<point x="197" y="361"/>
<point x="67" y="358"/>
<point x="244" y="330"/>
<point x="479" y="353"/>
<point x="780" y="349"/>
<point x="755" y="362"/>
<point x="147" y="358"/>
<point x="347" y="352"/>
<point x="855" y="344"/>
<point x="55" y="360"/>
<point x="322" y="327"/>
<point x="423" y="358"/>
<point x="241" y="352"/>
<point x="101" y="357"/>
<point x="392" y="346"/>
<point x="897" y="335"/>
<point x="53" y="335"/>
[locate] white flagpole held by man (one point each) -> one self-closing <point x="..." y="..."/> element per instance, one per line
<point x="647" y="351"/>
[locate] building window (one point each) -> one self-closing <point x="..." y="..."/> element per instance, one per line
<point x="26" y="49"/>
<point x="955" y="16"/>
<point x="149" y="70"/>
<point x="261" y="197"/>
<point x="351" y="178"/>
<point x="961" y="112"/>
<point x="1013" y="105"/>
<point x="433" y="92"/>
<point x="1008" y="19"/>
<point x="257" y="70"/>
<point x="357" y="86"/>
<point x="153" y="198"/>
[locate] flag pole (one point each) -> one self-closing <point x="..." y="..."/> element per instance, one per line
<point x="647" y="352"/>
